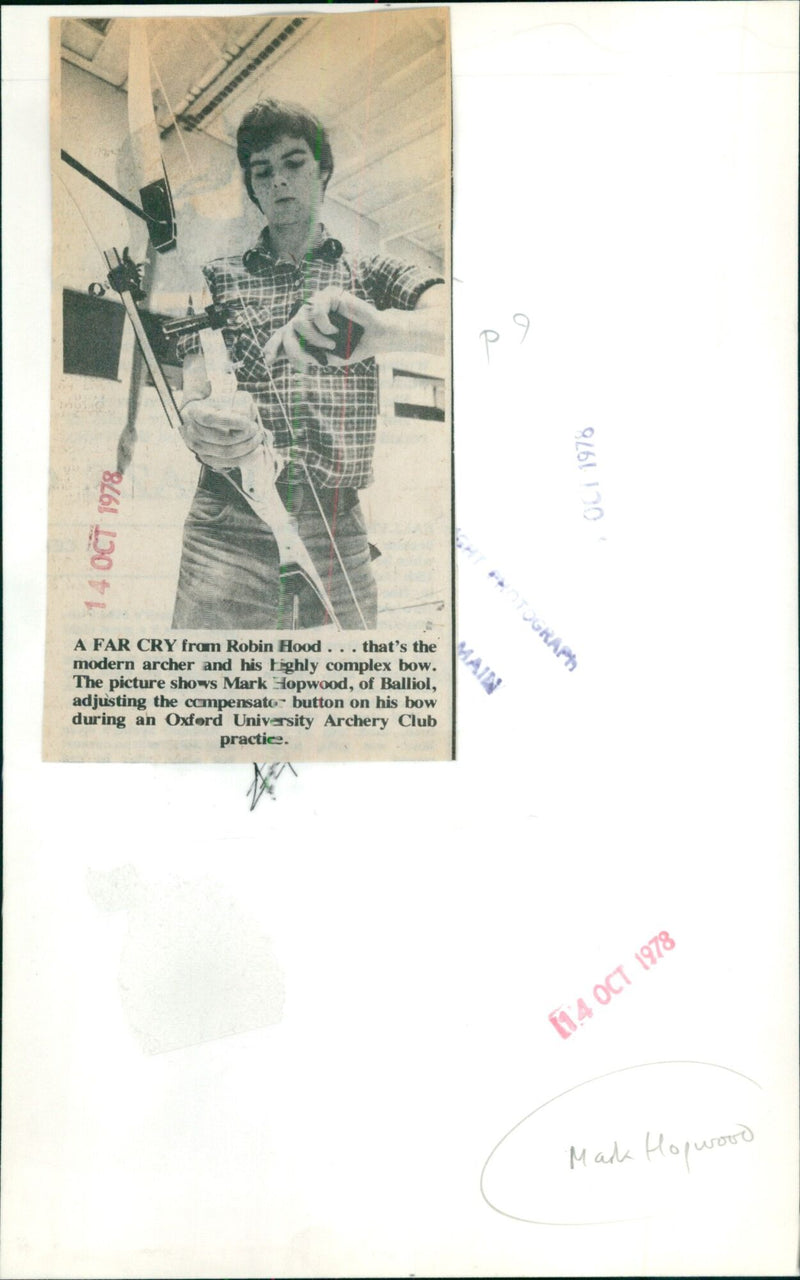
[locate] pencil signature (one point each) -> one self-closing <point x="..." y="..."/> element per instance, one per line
<point x="265" y="777"/>
<point x="534" y="1175"/>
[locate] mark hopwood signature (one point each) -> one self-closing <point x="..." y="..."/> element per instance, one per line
<point x="655" y="1149"/>
<point x="533" y="1175"/>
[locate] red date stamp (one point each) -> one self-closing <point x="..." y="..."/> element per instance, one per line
<point x="101" y="561"/>
<point x="603" y="992"/>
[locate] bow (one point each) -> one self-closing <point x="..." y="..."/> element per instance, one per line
<point x="260" y="473"/>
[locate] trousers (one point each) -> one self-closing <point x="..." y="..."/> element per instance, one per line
<point x="230" y="571"/>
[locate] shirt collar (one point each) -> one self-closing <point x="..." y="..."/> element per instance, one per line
<point x="262" y="255"/>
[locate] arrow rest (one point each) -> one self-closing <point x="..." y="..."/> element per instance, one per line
<point x="127" y="276"/>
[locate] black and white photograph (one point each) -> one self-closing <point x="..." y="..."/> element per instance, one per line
<point x="252" y="238"/>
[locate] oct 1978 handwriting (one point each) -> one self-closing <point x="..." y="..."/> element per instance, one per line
<point x="101" y="561"/>
<point x="603" y="992"/>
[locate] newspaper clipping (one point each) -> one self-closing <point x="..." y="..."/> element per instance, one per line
<point x="250" y="538"/>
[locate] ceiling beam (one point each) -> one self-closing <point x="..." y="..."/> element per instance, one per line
<point x="415" y="132"/>
<point x="354" y="105"/>
<point x="87" y="65"/>
<point x="412" y="231"/>
<point x="398" y="208"/>
<point x="214" y="97"/>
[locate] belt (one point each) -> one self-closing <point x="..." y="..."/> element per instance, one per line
<point x="295" y="494"/>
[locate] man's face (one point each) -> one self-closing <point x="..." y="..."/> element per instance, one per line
<point x="287" y="183"/>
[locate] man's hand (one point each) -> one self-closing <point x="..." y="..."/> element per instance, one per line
<point x="222" y="434"/>
<point x="312" y="327"/>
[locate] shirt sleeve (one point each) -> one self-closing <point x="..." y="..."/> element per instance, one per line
<point x="391" y="283"/>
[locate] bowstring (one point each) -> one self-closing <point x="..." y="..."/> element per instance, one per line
<point x="82" y="218"/>
<point x="306" y="472"/>
<point x="173" y="117"/>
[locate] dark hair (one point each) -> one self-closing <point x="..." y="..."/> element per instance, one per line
<point x="269" y="120"/>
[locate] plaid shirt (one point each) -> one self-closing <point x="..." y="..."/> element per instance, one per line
<point x="333" y="411"/>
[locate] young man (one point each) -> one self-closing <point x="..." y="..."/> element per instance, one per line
<point x="284" y="297"/>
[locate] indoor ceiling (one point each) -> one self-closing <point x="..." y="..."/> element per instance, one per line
<point x="381" y="90"/>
